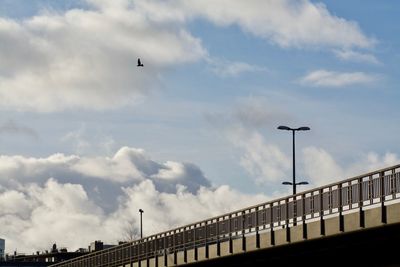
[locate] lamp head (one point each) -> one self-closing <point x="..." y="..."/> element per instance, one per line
<point x="284" y="128"/>
<point x="302" y="183"/>
<point x="303" y="129"/>
<point x="287" y="183"/>
<point x="141" y="211"/>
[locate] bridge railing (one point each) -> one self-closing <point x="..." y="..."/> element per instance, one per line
<point x="373" y="188"/>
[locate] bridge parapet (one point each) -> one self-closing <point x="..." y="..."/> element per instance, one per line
<point x="348" y="205"/>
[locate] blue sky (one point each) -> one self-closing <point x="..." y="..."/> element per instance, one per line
<point x="218" y="79"/>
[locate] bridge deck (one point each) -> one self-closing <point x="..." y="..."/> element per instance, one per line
<point x="362" y="202"/>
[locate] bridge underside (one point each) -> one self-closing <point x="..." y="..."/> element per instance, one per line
<point x="369" y="247"/>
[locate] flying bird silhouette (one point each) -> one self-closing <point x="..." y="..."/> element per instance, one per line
<point x="139" y="63"/>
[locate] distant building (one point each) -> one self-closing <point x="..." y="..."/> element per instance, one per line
<point x="41" y="259"/>
<point x="2" y="249"/>
<point x="98" y="245"/>
<point x="48" y="257"/>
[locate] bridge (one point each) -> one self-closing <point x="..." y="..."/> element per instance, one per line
<point x="357" y="218"/>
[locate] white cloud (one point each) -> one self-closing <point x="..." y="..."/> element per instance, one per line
<point x="13" y="202"/>
<point x="37" y="211"/>
<point x="232" y="69"/>
<point x="350" y="55"/>
<point x="265" y="162"/>
<point x="126" y="166"/>
<point x="87" y="58"/>
<point x="324" y="78"/>
<point x="85" y="143"/>
<point x="54" y="209"/>
<point x="321" y="168"/>
<point x="77" y="139"/>
<point x="289" y="23"/>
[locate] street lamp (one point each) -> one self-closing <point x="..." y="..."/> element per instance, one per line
<point x="294" y="184"/>
<point x="141" y="223"/>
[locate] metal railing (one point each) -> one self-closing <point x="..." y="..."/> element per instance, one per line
<point x="373" y="188"/>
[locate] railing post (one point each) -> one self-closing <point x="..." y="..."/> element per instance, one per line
<point x="156" y="252"/>
<point x="148" y="254"/>
<point x="218" y="238"/>
<point x="361" y="202"/>
<point x="321" y="211"/>
<point x="174" y="246"/>
<point x="206" y="239"/>
<point x="184" y="245"/>
<point x="196" y="255"/>
<point x="349" y="194"/>
<point x="271" y="205"/>
<point x="341" y="219"/>
<point x="303" y="216"/>
<point x="370" y="190"/>
<point x="243" y="230"/>
<point x="294" y="199"/>
<point x="257" y="228"/>
<point x="393" y="183"/>
<point x="165" y="250"/>
<point x="382" y="197"/>
<point x="287" y="220"/>
<point x="230" y="234"/>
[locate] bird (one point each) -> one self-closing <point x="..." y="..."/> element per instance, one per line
<point x="139" y="63"/>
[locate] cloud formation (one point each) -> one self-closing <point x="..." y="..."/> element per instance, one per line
<point x="87" y="58"/>
<point x="324" y="78"/>
<point x="232" y="69"/>
<point x="248" y="127"/>
<point x="288" y="23"/>
<point x="91" y="198"/>
<point x="42" y="199"/>
<point x="268" y="164"/>
<point x="128" y="165"/>
<point x="265" y="162"/>
<point x="321" y="168"/>
<point x="350" y="55"/>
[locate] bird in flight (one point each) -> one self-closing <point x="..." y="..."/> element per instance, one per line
<point x="139" y="63"/>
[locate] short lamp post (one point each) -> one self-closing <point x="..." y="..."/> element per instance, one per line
<point x="141" y="223"/>
<point x="294" y="184"/>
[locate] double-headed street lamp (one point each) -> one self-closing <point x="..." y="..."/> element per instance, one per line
<point x="141" y="223"/>
<point x="294" y="184"/>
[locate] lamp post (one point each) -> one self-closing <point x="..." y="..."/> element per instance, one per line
<point x="141" y="223"/>
<point x="294" y="184"/>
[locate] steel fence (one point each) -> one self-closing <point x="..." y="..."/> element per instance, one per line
<point x="373" y="188"/>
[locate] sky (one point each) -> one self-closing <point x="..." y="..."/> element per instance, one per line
<point x="87" y="137"/>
